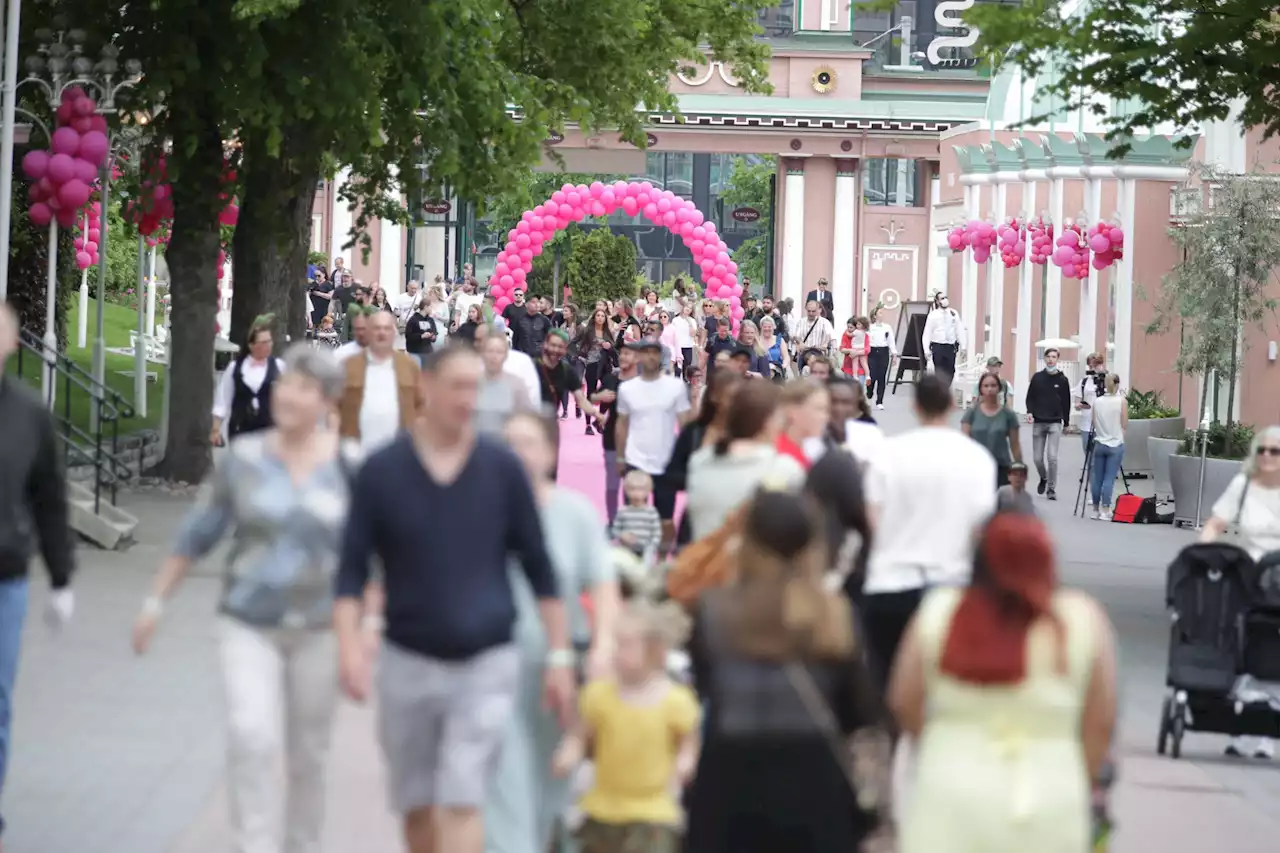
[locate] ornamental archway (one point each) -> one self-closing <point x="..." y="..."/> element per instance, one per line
<point x="661" y="207"/>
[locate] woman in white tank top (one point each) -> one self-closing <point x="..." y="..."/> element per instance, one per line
<point x="1110" y="417"/>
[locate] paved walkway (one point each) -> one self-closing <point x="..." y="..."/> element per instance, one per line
<point x="118" y="755"/>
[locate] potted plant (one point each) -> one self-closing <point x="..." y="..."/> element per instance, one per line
<point x="1226" y="445"/>
<point x="1149" y="417"/>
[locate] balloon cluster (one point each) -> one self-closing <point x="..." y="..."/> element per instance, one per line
<point x="63" y="178"/>
<point x="90" y="231"/>
<point x="661" y="207"/>
<point x="1013" y="248"/>
<point x="958" y="238"/>
<point x="982" y="240"/>
<point x="1072" y="254"/>
<point x="1107" y="242"/>
<point x="1040" y="241"/>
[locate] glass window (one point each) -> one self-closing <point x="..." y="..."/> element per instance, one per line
<point x="680" y="174"/>
<point x="890" y="182"/>
<point x="780" y="20"/>
<point x="655" y="166"/>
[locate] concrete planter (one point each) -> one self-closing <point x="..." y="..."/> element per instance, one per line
<point x="1158" y="451"/>
<point x="1136" y="458"/>
<point x="1184" y="482"/>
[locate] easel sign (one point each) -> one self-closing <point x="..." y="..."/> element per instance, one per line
<point x="910" y="338"/>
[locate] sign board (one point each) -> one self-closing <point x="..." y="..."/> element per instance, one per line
<point x="949" y="15"/>
<point x="436" y="208"/>
<point x="745" y="214"/>
<point x="554" y="138"/>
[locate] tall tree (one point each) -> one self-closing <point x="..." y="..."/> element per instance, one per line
<point x="410" y="95"/>
<point x="1169" y="61"/>
<point x="750" y="185"/>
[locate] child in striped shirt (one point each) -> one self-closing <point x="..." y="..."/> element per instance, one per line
<point x="637" y="526"/>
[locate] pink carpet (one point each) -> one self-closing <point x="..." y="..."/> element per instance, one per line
<point x="582" y="461"/>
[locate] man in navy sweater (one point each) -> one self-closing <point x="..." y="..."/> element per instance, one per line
<point x="449" y="671"/>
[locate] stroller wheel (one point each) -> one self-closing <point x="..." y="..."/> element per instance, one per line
<point x="1162" y="740"/>
<point x="1178" y="729"/>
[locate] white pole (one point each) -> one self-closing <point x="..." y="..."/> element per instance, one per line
<point x="168" y="389"/>
<point x="151" y="291"/>
<point x="140" y="348"/>
<point x="49" y="376"/>
<point x="100" y="339"/>
<point x="82" y="320"/>
<point x="7" y="105"/>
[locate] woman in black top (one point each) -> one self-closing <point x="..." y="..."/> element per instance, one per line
<point x="320" y="292"/>
<point x="467" y="328"/>
<point x="776" y="657"/>
<point x="420" y="332"/>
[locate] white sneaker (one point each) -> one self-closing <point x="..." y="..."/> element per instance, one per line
<point x="1265" y="749"/>
<point x="880" y="406"/>
<point x="1105" y="515"/>
<point x="1095" y="514"/>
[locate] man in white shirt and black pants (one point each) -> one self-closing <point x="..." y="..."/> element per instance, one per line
<point x="651" y="408"/>
<point x="929" y="493"/>
<point x="944" y="334"/>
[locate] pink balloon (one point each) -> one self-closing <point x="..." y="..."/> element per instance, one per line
<point x="526" y="255"/>
<point x="537" y="250"/>
<point x="710" y="227"/>
<point x="596" y="188"/>
<point x="558" y="197"/>
<point x="686" y="228"/>
<point x="40" y="214"/>
<point x="695" y="216"/>
<point x="609" y="198"/>
<point x="66" y="217"/>
<point x="85" y="170"/>
<point x="699" y="233"/>
<point x="98" y="123"/>
<point x="522" y="227"/>
<point x="500" y="304"/>
<point x="737" y="313"/>
<point x="651" y="211"/>
<point x="84" y="106"/>
<point x="522" y="240"/>
<point x="78" y="243"/>
<point x="507" y="282"/>
<point x="719" y="270"/>
<point x="1099" y="243"/>
<point x="511" y="248"/>
<point x="35" y="164"/>
<point x="83" y="260"/>
<point x="629" y="206"/>
<point x="66" y="141"/>
<point x="953" y="241"/>
<point x="696" y="246"/>
<point x="1100" y="264"/>
<point x="573" y="199"/>
<point x="669" y="218"/>
<point x="537" y="238"/>
<point x="94" y="235"/>
<point x="707" y="266"/>
<point x="1117" y="237"/>
<point x="62" y="168"/>
<point x="548" y="224"/>
<point x="664" y="205"/>
<point x="91" y="247"/>
<point x="565" y="211"/>
<point x="562" y="222"/>
<point x="74" y="193"/>
<point x="722" y="257"/>
<point x="518" y="274"/>
<point x="713" y="286"/>
<point x="737" y="291"/>
<point x="501" y="269"/>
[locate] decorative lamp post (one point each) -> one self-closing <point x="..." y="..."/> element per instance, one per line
<point x="70" y="74"/>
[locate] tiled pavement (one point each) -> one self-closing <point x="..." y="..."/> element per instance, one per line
<point x="118" y="755"/>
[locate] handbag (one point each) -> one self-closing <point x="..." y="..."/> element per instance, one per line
<point x="865" y="758"/>
<point x="707" y="563"/>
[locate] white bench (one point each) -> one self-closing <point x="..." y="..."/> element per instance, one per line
<point x="154" y="349"/>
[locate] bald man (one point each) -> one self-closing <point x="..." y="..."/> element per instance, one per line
<point x="33" y="509"/>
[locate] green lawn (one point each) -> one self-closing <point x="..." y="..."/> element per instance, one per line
<point x="116" y="323"/>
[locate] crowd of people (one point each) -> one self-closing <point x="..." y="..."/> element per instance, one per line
<point x="880" y="653"/>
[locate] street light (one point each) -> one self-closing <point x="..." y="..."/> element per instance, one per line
<point x="60" y="56"/>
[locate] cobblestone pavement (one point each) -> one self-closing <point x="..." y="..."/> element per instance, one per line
<point x="118" y="755"/>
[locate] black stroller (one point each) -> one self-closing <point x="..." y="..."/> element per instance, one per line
<point x="1224" y="627"/>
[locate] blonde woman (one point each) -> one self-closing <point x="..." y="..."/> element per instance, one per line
<point x="1252" y="505"/>
<point x="437" y="307"/>
<point x="749" y="337"/>
<point x="774" y="345"/>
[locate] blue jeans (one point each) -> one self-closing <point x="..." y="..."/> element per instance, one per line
<point x="13" y="609"/>
<point x="1103" y="473"/>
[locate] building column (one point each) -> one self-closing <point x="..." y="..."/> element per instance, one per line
<point x="845" y="255"/>
<point x="793" y="234"/>
<point x="1024" y="333"/>
<point x="1053" y="282"/>
<point x="1121" y="361"/>
<point x="995" y="276"/>
<point x="969" y="307"/>
<point x="1089" y="287"/>
<point x="390" y="270"/>
<point x="341" y="219"/>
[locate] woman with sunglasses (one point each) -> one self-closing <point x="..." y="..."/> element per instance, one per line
<point x="1252" y="504"/>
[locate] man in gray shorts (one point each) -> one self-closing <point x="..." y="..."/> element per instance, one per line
<point x="449" y="671"/>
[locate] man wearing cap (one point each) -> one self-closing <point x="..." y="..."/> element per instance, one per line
<point x="822" y="296"/>
<point x="1006" y="390"/>
<point x="1014" y="497"/>
<point x="651" y="408"/>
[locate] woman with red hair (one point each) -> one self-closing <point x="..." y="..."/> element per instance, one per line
<point x="1008" y="689"/>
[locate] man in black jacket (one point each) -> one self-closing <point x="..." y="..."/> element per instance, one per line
<point x="33" y="506"/>
<point x="1049" y="409"/>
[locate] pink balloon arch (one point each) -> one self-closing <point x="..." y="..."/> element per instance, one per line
<point x="661" y="207"/>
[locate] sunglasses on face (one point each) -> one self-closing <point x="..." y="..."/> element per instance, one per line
<point x="1269" y="451"/>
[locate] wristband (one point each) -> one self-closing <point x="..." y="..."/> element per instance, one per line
<point x="152" y="606"/>
<point x="561" y="658"/>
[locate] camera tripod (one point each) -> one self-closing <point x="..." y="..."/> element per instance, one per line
<point x="1082" y="493"/>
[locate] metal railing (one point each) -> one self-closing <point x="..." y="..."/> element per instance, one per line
<point x="81" y="444"/>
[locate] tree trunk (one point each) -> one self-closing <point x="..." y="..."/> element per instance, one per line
<point x="273" y="236"/>
<point x="192" y="256"/>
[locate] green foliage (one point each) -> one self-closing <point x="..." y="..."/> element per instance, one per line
<point x="1133" y="50"/>
<point x="668" y="287"/>
<point x="533" y="188"/>
<point x="1226" y="441"/>
<point x="602" y="265"/>
<point x="1230" y="248"/>
<point x="748" y="185"/>
<point x="122" y="256"/>
<point x="1148" y="405"/>
<point x="319" y="259"/>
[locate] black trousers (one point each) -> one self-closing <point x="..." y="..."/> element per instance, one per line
<point x="687" y="354"/>
<point x="878" y="361"/>
<point x="944" y="360"/>
<point x="885" y="617"/>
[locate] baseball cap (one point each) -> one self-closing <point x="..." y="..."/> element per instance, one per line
<point x="1018" y="466"/>
<point x="995" y="361"/>
<point x="644" y="344"/>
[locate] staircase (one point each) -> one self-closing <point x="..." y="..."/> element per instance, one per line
<point x="92" y="452"/>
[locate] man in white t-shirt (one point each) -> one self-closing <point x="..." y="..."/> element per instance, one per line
<point x="651" y="408"/>
<point x="929" y="492"/>
<point x="406" y="302"/>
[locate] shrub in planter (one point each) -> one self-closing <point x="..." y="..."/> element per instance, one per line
<point x="1225" y="447"/>
<point x="1149" y="417"/>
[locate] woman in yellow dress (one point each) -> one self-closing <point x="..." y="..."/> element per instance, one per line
<point x="1007" y="689"/>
